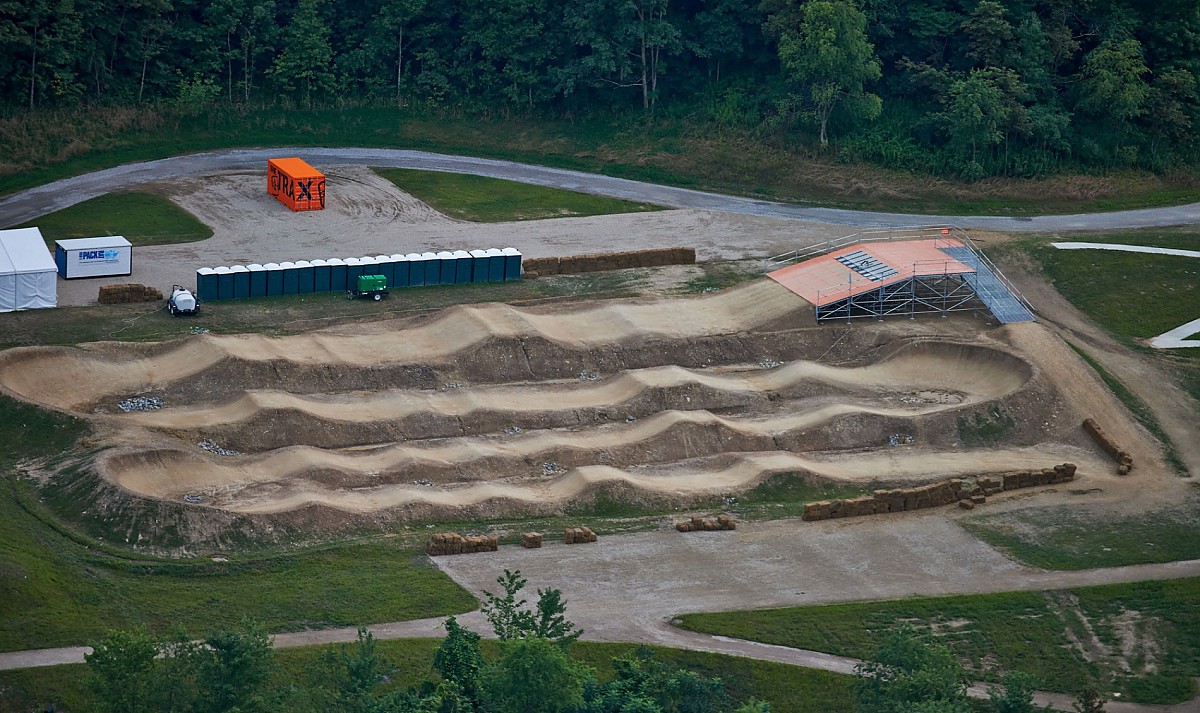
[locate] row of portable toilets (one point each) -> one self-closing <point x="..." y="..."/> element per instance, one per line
<point x="334" y="275"/>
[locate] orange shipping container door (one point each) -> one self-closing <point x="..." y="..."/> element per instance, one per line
<point x="296" y="184"/>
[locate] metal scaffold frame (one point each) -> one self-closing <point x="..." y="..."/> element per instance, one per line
<point x="931" y="286"/>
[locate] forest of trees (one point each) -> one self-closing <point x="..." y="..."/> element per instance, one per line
<point x="973" y="88"/>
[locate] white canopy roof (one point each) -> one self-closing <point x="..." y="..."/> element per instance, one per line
<point x="28" y="275"/>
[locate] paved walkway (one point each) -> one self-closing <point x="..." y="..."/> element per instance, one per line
<point x="1175" y="338"/>
<point x="34" y="202"/>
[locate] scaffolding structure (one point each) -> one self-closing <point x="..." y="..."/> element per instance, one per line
<point x="966" y="280"/>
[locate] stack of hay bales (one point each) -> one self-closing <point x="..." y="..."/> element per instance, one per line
<point x="578" y="535"/>
<point x="126" y="294"/>
<point x="937" y="494"/>
<point x="1122" y="457"/>
<point x="599" y="262"/>
<point x="707" y="524"/>
<point x="531" y="540"/>
<point x="452" y="543"/>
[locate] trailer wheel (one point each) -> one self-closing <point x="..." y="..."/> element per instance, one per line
<point x="378" y="296"/>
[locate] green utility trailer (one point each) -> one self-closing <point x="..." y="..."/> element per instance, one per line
<point x="373" y="286"/>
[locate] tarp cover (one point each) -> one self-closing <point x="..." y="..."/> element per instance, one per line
<point x="28" y="275"/>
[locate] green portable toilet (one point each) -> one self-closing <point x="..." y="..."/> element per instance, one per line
<point x="447" y="270"/>
<point x="400" y="268"/>
<point x="368" y="265"/>
<point x="304" y="276"/>
<point x="241" y="282"/>
<point x="512" y="263"/>
<point x="479" y="266"/>
<point x="433" y="268"/>
<point x="274" y="279"/>
<point x="495" y="265"/>
<point x="320" y="275"/>
<point x="384" y="266"/>
<point x="224" y="283"/>
<point x="462" y="267"/>
<point x="353" y="271"/>
<point x="416" y="269"/>
<point x="291" y="278"/>
<point x="258" y="280"/>
<point x="206" y="283"/>
<point x="337" y="275"/>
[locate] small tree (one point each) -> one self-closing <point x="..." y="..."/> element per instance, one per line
<point x="511" y="620"/>
<point x="534" y="676"/>
<point x="459" y="660"/>
<point x="908" y="674"/>
<point x="1089" y="700"/>
<point x="1015" y="695"/>
<point x="122" y="668"/>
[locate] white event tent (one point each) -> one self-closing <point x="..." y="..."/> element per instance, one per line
<point x="28" y="275"/>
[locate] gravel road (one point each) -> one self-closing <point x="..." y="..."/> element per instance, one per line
<point x="61" y="194"/>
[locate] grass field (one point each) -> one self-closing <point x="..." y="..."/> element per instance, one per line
<point x="676" y="151"/>
<point x="1080" y="538"/>
<point x="141" y="218"/>
<point x="788" y="689"/>
<point x="490" y="200"/>
<point x="1068" y="639"/>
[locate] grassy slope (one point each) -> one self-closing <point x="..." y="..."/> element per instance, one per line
<point x="1026" y="631"/>
<point x="59" y="588"/>
<point x="1079" y="538"/>
<point x="491" y="200"/>
<point x="789" y="689"/>
<point x="142" y="218"/>
<point x="676" y="152"/>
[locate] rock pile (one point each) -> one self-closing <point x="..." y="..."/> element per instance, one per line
<point x="452" y="543"/>
<point x="707" y="524"/>
<point x="578" y="535"/>
<point x="125" y="294"/>
<point x="938" y="494"/>
<point x="140" y="403"/>
<point x="1123" y="458"/>
<point x="531" y="540"/>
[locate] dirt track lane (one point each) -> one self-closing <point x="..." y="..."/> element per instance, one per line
<point x="35" y="202"/>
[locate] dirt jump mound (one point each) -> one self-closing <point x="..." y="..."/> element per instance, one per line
<point x="494" y="408"/>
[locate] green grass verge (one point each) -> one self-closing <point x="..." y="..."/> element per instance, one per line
<point x="1023" y="631"/>
<point x="492" y="200"/>
<point x="142" y="218"/>
<point x="1083" y="538"/>
<point x="788" y="689"/>
<point x="679" y="152"/>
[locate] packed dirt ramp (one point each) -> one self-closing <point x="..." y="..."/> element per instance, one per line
<point x="497" y="408"/>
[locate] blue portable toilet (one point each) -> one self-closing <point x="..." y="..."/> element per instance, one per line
<point x="274" y="279"/>
<point x="479" y="266"/>
<point x="320" y="275"/>
<point x="304" y="276"/>
<point x="241" y="282"/>
<point x="258" y="280"/>
<point x="337" y="274"/>
<point x="224" y="283"/>
<point x="495" y="265"/>
<point x="416" y="269"/>
<point x="206" y="283"/>
<point x="400" y="269"/>
<point x="512" y="263"/>
<point x="384" y="266"/>
<point x="291" y="278"/>
<point x="462" y="266"/>
<point x="433" y="268"/>
<point x="448" y="271"/>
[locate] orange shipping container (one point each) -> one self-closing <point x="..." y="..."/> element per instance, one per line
<point x="296" y="184"/>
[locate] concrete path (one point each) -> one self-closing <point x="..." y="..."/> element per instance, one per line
<point x="629" y="588"/>
<point x="1175" y="338"/>
<point x="32" y="203"/>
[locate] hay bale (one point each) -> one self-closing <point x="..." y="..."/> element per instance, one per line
<point x="684" y="526"/>
<point x="588" y="535"/>
<point x="966" y="504"/>
<point x="531" y="540"/>
<point x="569" y="536"/>
<point x="978" y="499"/>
